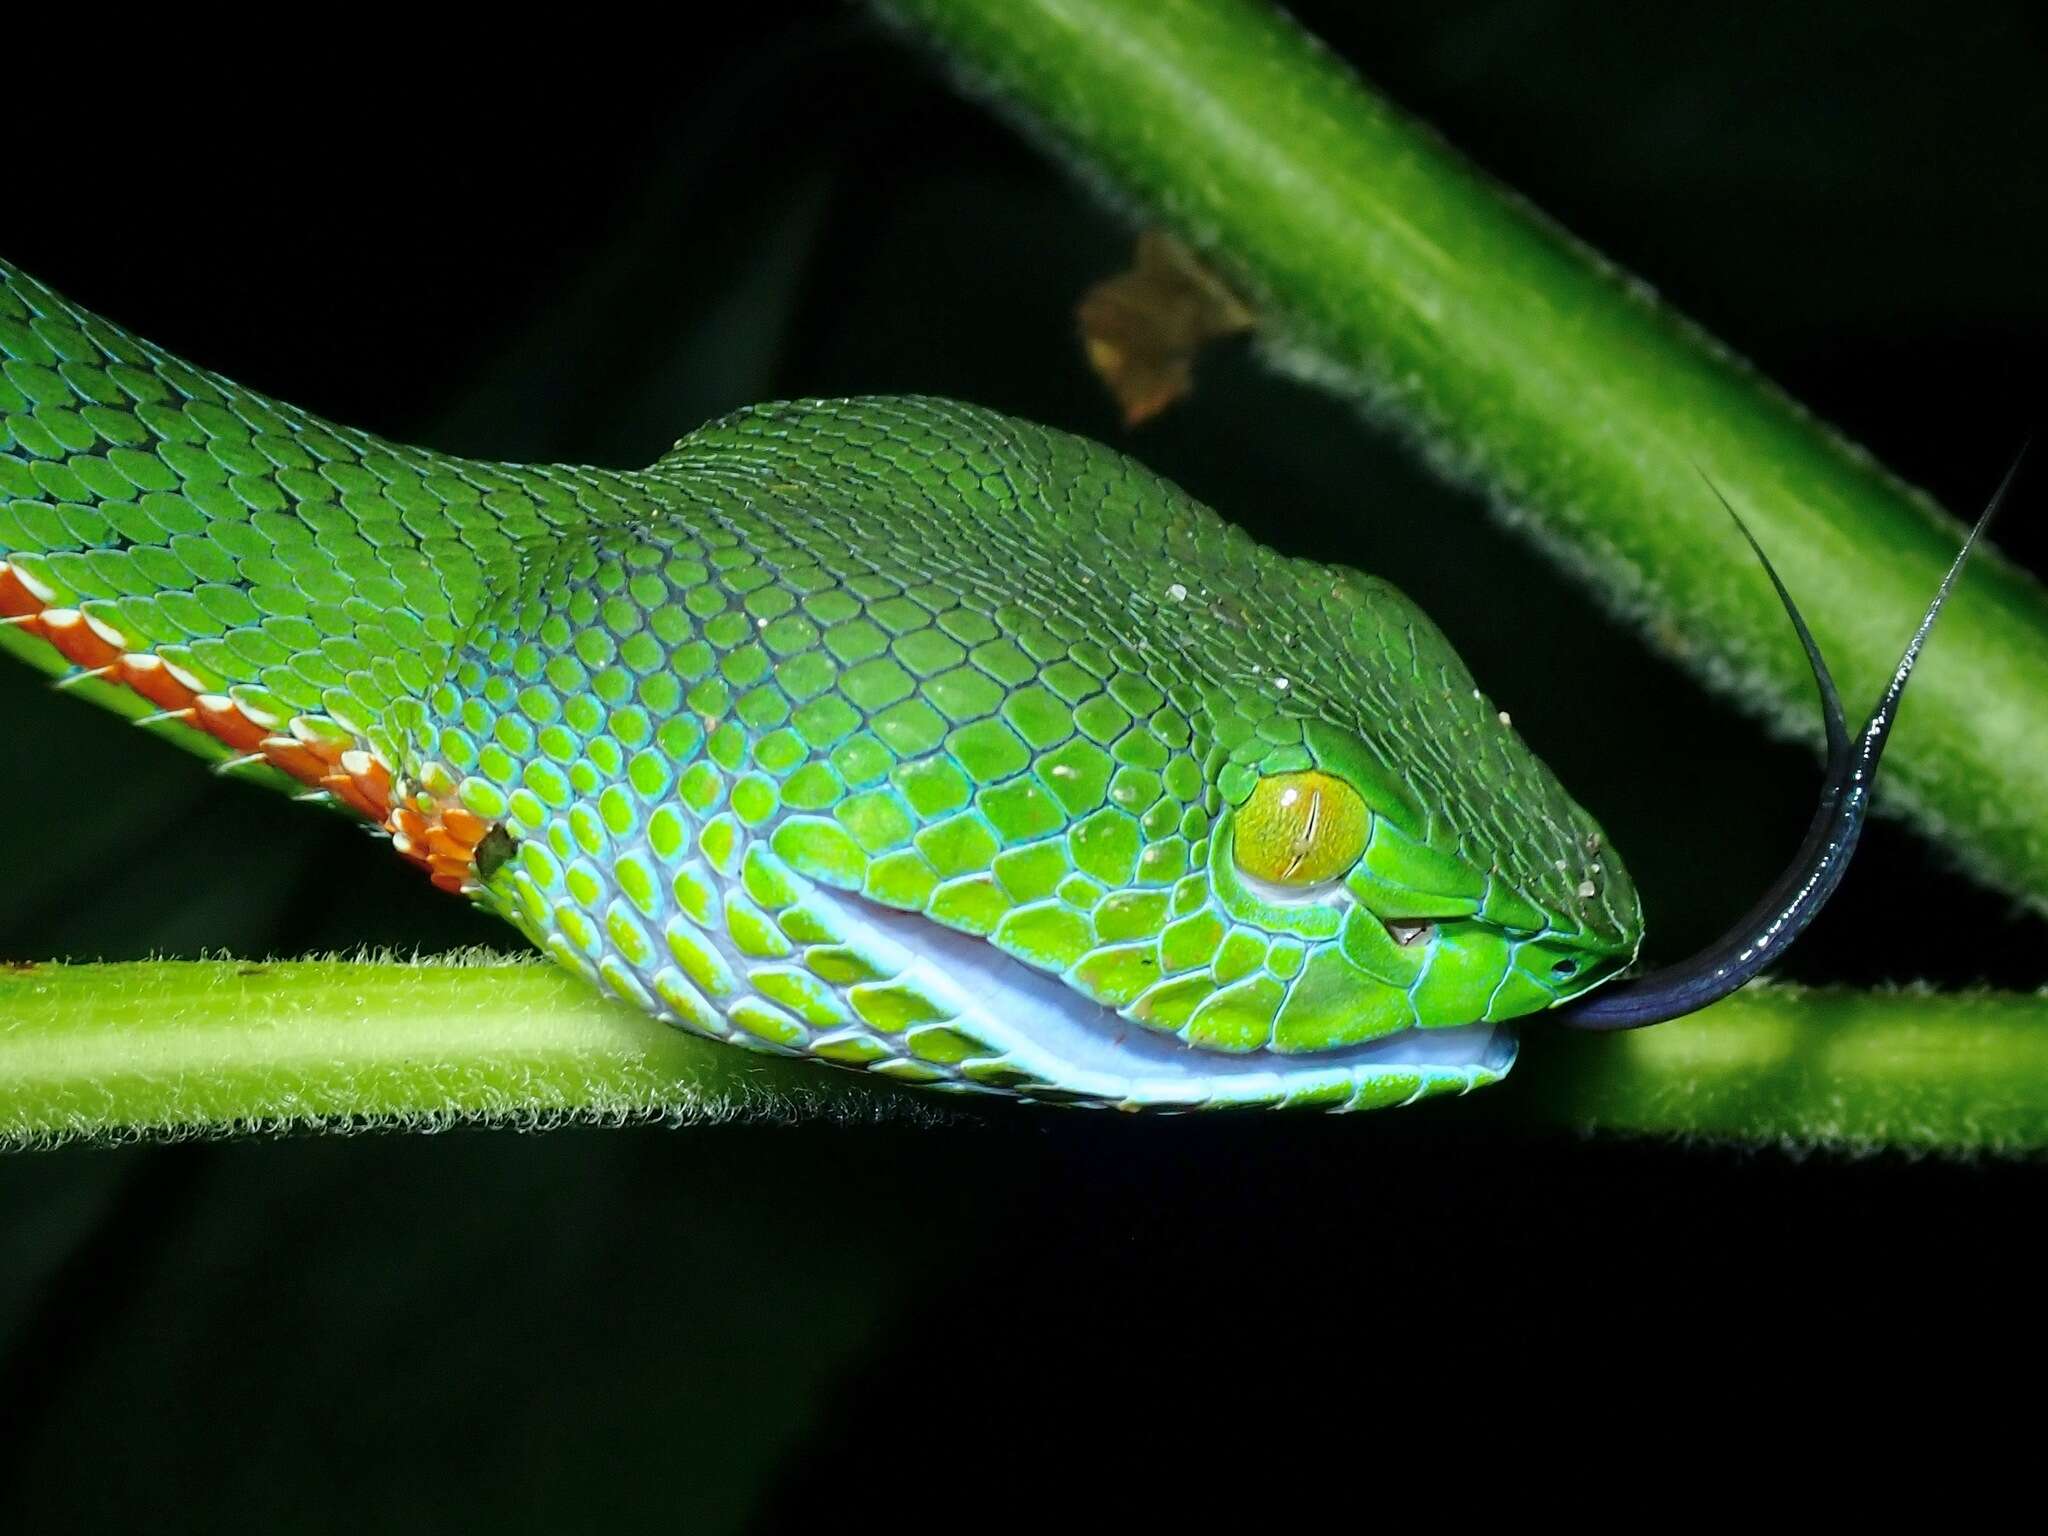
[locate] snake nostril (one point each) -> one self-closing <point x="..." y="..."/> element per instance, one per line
<point x="1565" y="969"/>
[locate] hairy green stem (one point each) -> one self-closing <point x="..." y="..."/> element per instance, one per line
<point x="179" y="1048"/>
<point x="1910" y="1070"/>
<point x="1388" y="268"/>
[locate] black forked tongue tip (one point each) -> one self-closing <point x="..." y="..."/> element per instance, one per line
<point x="1797" y="895"/>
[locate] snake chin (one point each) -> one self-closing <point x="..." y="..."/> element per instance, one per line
<point x="1074" y="1049"/>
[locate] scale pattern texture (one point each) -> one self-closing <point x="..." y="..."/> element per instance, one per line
<point x="729" y="734"/>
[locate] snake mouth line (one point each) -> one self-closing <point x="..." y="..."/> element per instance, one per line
<point x="1067" y="1037"/>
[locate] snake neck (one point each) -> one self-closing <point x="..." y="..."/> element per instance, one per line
<point x="266" y="588"/>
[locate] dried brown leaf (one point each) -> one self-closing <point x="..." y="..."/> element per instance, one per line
<point x="1142" y="329"/>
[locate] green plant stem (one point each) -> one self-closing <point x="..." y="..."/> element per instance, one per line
<point x="176" y="1048"/>
<point x="1389" y="269"/>
<point x="179" y="1048"/>
<point x="1908" y="1070"/>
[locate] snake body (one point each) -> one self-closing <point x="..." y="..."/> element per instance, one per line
<point x="891" y="732"/>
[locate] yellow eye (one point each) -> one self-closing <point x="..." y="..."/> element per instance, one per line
<point x="1301" y="829"/>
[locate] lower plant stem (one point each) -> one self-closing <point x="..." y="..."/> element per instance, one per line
<point x="1913" y="1070"/>
<point x="179" y="1048"/>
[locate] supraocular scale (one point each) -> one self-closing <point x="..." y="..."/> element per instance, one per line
<point x="892" y="732"/>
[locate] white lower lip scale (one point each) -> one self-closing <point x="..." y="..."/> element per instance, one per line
<point x="1045" y="1024"/>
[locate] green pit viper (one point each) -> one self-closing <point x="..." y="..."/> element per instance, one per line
<point x="889" y="732"/>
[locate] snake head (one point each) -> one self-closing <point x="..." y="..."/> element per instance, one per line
<point x="920" y="740"/>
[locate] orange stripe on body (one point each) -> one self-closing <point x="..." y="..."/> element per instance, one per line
<point x="442" y="840"/>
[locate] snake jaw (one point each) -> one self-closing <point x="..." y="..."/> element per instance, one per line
<point x="1058" y="1044"/>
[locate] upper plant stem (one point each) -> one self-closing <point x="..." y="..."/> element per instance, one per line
<point x="1385" y="266"/>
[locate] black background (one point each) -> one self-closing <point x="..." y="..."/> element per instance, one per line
<point x="578" y="247"/>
